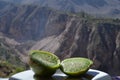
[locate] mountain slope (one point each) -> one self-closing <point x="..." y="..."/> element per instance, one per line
<point x="10" y="62"/>
<point x="97" y="41"/>
<point x="104" y="8"/>
<point x="27" y="27"/>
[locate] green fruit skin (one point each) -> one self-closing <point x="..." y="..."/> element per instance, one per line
<point x="77" y="74"/>
<point x="43" y="63"/>
<point x="41" y="70"/>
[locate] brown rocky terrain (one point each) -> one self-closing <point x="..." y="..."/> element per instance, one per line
<point x="28" y="27"/>
<point x="97" y="41"/>
<point x="98" y="8"/>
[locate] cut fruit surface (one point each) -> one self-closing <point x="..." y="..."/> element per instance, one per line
<point x="43" y="62"/>
<point x="45" y="58"/>
<point x="75" y="66"/>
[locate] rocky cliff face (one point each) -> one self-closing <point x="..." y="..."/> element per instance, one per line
<point x="104" y="8"/>
<point x="97" y="41"/>
<point x="30" y="27"/>
<point x="10" y="58"/>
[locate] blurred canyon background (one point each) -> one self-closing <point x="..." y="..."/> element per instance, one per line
<point x="67" y="28"/>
